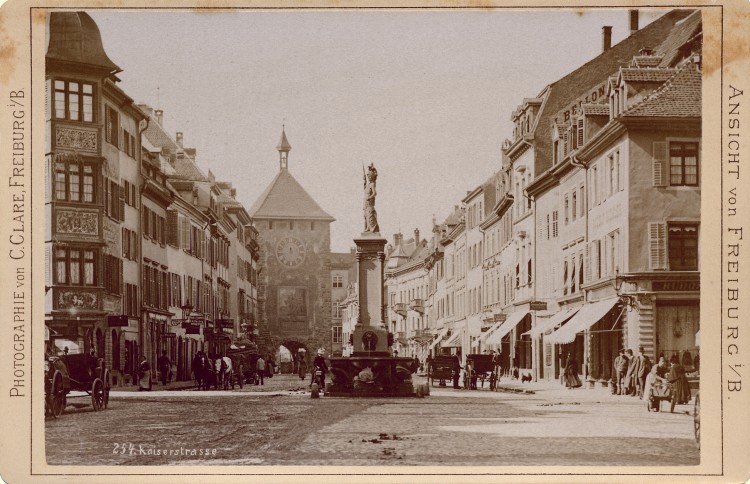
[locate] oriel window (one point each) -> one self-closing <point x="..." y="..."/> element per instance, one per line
<point x="76" y="266"/>
<point x="74" y="101"/>
<point x="74" y="182"/>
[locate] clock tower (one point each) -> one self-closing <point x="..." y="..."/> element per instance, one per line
<point x="294" y="280"/>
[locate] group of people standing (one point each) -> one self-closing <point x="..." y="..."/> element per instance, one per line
<point x="636" y="375"/>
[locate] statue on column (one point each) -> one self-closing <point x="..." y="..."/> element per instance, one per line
<point x="371" y="216"/>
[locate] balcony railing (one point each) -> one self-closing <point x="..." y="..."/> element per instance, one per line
<point x="400" y="309"/>
<point x="401" y="337"/>
<point x="422" y="335"/>
<point x="417" y="305"/>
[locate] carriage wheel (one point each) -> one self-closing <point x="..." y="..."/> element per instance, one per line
<point x="107" y="387"/>
<point x="97" y="394"/>
<point x="57" y="395"/>
<point x="697" y="420"/>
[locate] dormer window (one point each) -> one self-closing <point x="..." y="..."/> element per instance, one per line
<point x="74" y="101"/>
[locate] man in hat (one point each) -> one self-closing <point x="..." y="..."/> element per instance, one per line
<point x="644" y="367"/>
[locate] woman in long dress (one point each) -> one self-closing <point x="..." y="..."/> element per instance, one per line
<point x="571" y="373"/>
<point x="144" y="376"/>
<point x="680" y="385"/>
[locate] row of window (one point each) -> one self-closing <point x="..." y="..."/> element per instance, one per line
<point x="153" y="226"/>
<point x="290" y="225"/>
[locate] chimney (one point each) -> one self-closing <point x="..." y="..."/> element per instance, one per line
<point x="159" y="116"/>
<point x="606" y="38"/>
<point x="397" y="239"/>
<point x="633" y="21"/>
<point x="416" y="236"/>
<point x="178" y="139"/>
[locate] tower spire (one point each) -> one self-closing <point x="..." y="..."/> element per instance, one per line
<point x="284" y="147"/>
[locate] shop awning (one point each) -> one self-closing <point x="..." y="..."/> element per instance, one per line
<point x="439" y="337"/>
<point x="454" y="341"/>
<point x="496" y="337"/>
<point x="587" y="316"/>
<point x="557" y="319"/>
<point x="493" y="328"/>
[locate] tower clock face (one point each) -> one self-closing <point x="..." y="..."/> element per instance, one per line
<point x="291" y="251"/>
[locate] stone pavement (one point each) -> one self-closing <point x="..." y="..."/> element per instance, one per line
<point x="279" y="424"/>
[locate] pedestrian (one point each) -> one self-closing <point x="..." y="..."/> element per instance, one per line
<point x="269" y="367"/>
<point x="644" y="367"/>
<point x="319" y="364"/>
<point x="456" y="371"/>
<point x="165" y="367"/>
<point x="621" y="368"/>
<point x="416" y="364"/>
<point x="571" y="372"/>
<point x="679" y="381"/>
<point x="301" y="366"/>
<point x="144" y="375"/>
<point x="651" y="379"/>
<point x="630" y="374"/>
<point x="260" y="366"/>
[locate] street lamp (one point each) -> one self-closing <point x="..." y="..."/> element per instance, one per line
<point x="628" y="299"/>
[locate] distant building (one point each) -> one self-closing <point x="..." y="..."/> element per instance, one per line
<point x="343" y="270"/>
<point x="294" y="290"/>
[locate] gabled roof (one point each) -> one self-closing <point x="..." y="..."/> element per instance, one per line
<point x="567" y="89"/>
<point x="647" y="60"/>
<point x="285" y="198"/>
<point x="680" y="96"/>
<point x="681" y="34"/>
<point x="632" y="74"/>
<point x="592" y="109"/>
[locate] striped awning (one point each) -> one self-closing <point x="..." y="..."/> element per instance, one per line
<point x="496" y="337"/>
<point x="455" y="340"/>
<point x="439" y="337"/>
<point x="587" y="316"/>
<point x="557" y="319"/>
<point x="493" y="328"/>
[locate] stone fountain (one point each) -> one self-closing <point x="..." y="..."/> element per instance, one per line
<point x="371" y="370"/>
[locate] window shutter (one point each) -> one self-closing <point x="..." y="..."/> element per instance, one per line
<point x="580" y="131"/>
<point x="48" y="265"/>
<point x="659" y="155"/>
<point x="122" y="203"/>
<point x="657" y="245"/>
<point x="596" y="260"/>
<point x="172" y="231"/>
<point x="587" y="263"/>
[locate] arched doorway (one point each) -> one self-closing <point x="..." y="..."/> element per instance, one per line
<point x="299" y="355"/>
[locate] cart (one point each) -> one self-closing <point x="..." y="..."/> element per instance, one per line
<point x="484" y="369"/>
<point x="440" y="368"/>
<point x="658" y="393"/>
<point x="244" y="356"/>
<point x="75" y="372"/>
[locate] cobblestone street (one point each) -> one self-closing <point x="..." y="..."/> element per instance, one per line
<point x="279" y="424"/>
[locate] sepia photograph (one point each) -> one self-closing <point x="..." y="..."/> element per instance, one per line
<point x="375" y="241"/>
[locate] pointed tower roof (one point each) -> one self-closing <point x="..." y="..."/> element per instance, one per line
<point x="285" y="198"/>
<point x="283" y="143"/>
<point x="74" y="37"/>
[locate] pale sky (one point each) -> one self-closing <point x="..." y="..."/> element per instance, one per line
<point x="425" y="95"/>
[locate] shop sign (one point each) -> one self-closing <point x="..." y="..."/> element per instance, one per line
<point x="676" y="286"/>
<point x="537" y="306"/>
<point x="117" y="321"/>
<point x="177" y="322"/>
<point x="191" y="328"/>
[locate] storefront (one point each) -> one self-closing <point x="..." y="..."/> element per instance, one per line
<point x="677" y="323"/>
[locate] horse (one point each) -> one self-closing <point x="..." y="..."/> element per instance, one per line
<point x="199" y="366"/>
<point x="223" y="371"/>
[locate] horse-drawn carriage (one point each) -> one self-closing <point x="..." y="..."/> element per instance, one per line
<point x="482" y="368"/>
<point x="236" y="368"/>
<point x="440" y="368"/>
<point x="69" y="370"/>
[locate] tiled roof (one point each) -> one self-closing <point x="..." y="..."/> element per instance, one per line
<point x="454" y="218"/>
<point x="633" y="74"/>
<point x="285" y="198"/>
<point x="679" y="36"/>
<point x="159" y="138"/>
<point x="566" y="90"/>
<point x="647" y="60"/>
<point x="680" y="96"/>
<point x="597" y="109"/>
<point x="342" y="259"/>
<point x="186" y="169"/>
